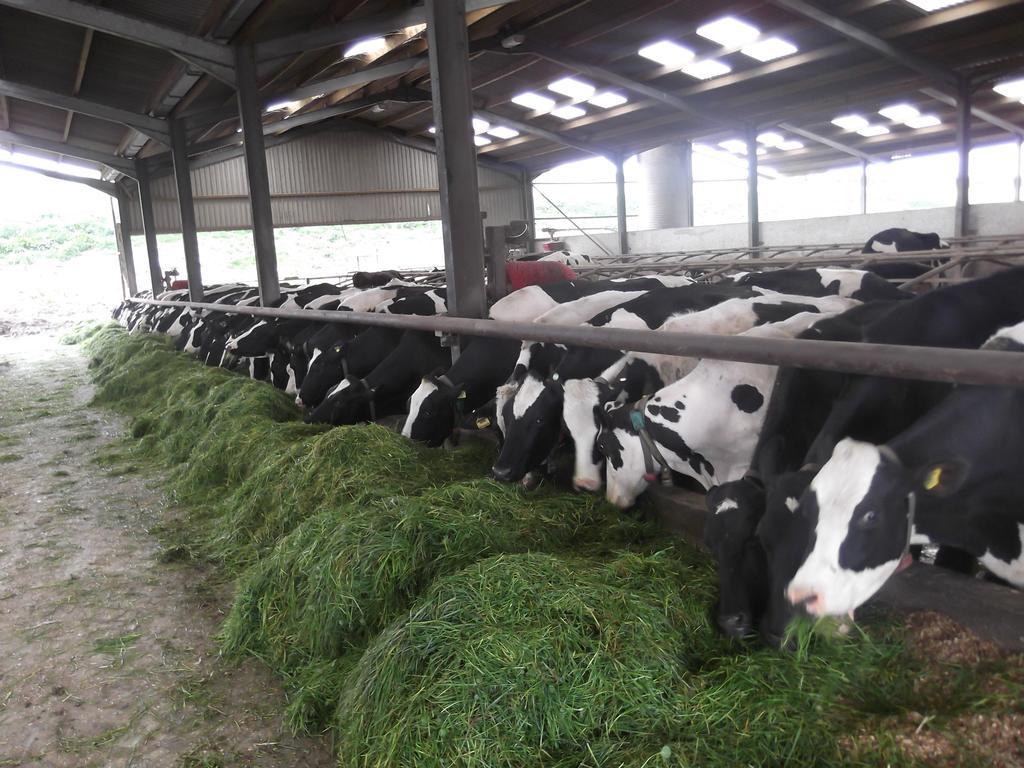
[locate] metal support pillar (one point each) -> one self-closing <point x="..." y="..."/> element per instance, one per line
<point x="123" y="239"/>
<point x="961" y="226"/>
<point x="688" y="182"/>
<point x="497" y="256"/>
<point x="863" y="187"/>
<point x="456" y="157"/>
<point x="187" y="210"/>
<point x="620" y="204"/>
<point x="156" y="274"/>
<point x="753" y="222"/>
<point x="250" y="109"/>
<point x="528" y="212"/>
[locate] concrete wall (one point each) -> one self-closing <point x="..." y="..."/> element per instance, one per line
<point x="988" y="219"/>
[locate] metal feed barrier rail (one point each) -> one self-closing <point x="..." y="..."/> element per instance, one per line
<point x="961" y="366"/>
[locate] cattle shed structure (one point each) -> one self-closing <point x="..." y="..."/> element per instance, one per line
<point x="230" y="114"/>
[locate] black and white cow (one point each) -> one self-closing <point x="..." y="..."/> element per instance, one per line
<point x="953" y="478"/>
<point x="586" y="398"/>
<point x="531" y="302"/>
<point x="353" y="357"/>
<point x="899" y="240"/>
<point x="852" y="283"/>
<point x="800" y="403"/>
<point x="529" y="407"/>
<point x="874" y="409"/>
<point x="443" y="396"/>
<point x="384" y="391"/>
<point x="704" y="426"/>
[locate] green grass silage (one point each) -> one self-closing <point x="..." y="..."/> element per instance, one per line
<point x="431" y="617"/>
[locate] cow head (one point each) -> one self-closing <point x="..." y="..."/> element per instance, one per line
<point x="625" y="467"/>
<point x="861" y="504"/>
<point x="432" y="411"/>
<point x="256" y="341"/>
<point x="531" y="421"/>
<point x="350" y="402"/>
<point x="734" y="511"/>
<point x="784" y="534"/>
<point x="584" y="403"/>
<point x="325" y="371"/>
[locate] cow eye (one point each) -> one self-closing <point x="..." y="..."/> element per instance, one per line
<point x="868" y="519"/>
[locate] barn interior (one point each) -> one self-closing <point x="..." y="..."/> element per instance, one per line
<point x="255" y="115"/>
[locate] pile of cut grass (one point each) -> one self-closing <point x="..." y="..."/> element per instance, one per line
<point x="432" y="617"/>
<point x="560" y="661"/>
<point x="342" y="575"/>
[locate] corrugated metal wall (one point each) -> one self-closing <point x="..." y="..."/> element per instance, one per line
<point x="330" y="178"/>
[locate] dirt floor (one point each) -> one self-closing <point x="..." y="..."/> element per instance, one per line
<point x="107" y="654"/>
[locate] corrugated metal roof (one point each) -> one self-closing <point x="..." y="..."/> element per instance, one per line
<point x="977" y="36"/>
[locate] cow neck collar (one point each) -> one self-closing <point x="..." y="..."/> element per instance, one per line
<point x="460" y="400"/>
<point x="652" y="454"/>
<point x="911" y="509"/>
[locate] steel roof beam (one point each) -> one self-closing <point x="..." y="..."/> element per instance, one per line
<point x="981" y="114"/>
<point x="350" y="31"/>
<point x="837" y="145"/>
<point x="868" y="38"/>
<point x="151" y="126"/>
<point x="83" y="59"/>
<point x="106" y="187"/>
<point x="210" y="56"/>
<point x="119" y="164"/>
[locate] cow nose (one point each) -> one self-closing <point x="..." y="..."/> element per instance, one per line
<point x="298" y="402"/>
<point x="735" y="625"/>
<point x="586" y="484"/>
<point x="501" y="474"/>
<point x="807" y="599"/>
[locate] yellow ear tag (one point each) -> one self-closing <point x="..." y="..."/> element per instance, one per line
<point x="483" y="422"/>
<point x="933" y="478"/>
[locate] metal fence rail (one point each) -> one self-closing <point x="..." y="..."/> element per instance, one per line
<point x="983" y="367"/>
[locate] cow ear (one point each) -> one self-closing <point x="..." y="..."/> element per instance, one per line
<point x="943" y="478"/>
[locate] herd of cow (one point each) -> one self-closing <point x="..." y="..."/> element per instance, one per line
<point x="818" y="483"/>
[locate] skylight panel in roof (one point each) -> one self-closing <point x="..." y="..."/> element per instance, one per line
<point x="667" y="53"/>
<point x="900" y="113"/>
<point x="281" y="106"/>
<point x="770" y="138"/>
<point x="736" y="146"/>
<point x="707" y="69"/>
<point x="789" y="146"/>
<point x="729" y="31"/>
<point x="366" y="47"/>
<point x="761" y="151"/>
<point x="922" y="121"/>
<point x="767" y="170"/>
<point x="607" y="100"/>
<point x="850" y="122"/>
<point x="573" y="88"/>
<point x="503" y="132"/>
<point x="934" y="5"/>
<point x="481" y="141"/>
<point x="568" y="112"/>
<point x="873" y="130"/>
<point x="480" y="125"/>
<point x="432" y="130"/>
<point x="769" y="49"/>
<point x="1012" y="89"/>
<point x="534" y="101"/>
